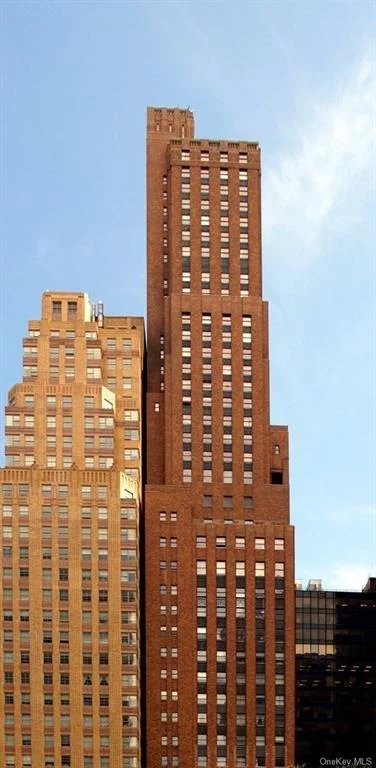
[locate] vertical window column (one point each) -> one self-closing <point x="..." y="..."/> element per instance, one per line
<point x="244" y="235"/>
<point x="221" y="663"/>
<point x="224" y="229"/>
<point x="205" y="268"/>
<point x="165" y="236"/>
<point x="244" y="271"/>
<point x="227" y="398"/>
<point x="241" y="746"/>
<point x="205" y="229"/>
<point x="207" y="466"/>
<point x="247" y="400"/>
<point x="161" y="359"/>
<point x="187" y="397"/>
<point x="260" y="663"/>
<point x="280" y="664"/>
<point x="186" y="230"/>
<point x="201" y="602"/>
<point x="225" y="270"/>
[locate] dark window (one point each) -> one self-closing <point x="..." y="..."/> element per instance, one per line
<point x="276" y="477"/>
<point x="72" y="307"/>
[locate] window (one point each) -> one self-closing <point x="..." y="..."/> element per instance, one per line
<point x="56" y="309"/>
<point x="259" y="543"/>
<point x="93" y="353"/>
<point x="131" y="434"/>
<point x="279" y="544"/>
<point x="93" y="373"/>
<point x="131" y="454"/>
<point x="12" y="420"/>
<point x="276" y="477"/>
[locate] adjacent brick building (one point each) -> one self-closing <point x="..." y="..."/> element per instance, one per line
<point x="69" y="558"/>
<point x="219" y="548"/>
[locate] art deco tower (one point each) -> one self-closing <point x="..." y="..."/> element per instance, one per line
<point x="69" y="496"/>
<point x="219" y="546"/>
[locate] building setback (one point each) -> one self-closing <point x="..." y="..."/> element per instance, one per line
<point x="335" y="675"/>
<point x="220" y="611"/>
<point x="69" y="495"/>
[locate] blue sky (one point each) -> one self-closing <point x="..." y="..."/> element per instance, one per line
<point x="76" y="78"/>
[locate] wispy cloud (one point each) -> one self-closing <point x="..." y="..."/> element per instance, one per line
<point x="352" y="513"/>
<point x="350" y="576"/>
<point x="334" y="147"/>
<point x="346" y="554"/>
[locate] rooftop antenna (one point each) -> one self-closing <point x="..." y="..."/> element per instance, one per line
<point x="100" y="314"/>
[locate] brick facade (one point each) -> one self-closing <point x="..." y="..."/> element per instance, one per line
<point x="69" y="557"/>
<point x="219" y="546"/>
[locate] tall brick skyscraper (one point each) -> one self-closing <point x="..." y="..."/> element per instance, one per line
<point x="69" y="559"/>
<point x="219" y="547"/>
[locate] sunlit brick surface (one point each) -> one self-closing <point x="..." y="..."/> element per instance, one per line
<point x="70" y="504"/>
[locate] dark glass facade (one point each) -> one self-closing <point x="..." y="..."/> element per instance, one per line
<point x="336" y="677"/>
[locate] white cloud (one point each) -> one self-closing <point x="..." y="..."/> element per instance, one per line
<point x="346" y="576"/>
<point x="352" y="513"/>
<point x="335" y="147"/>
<point x="342" y="576"/>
